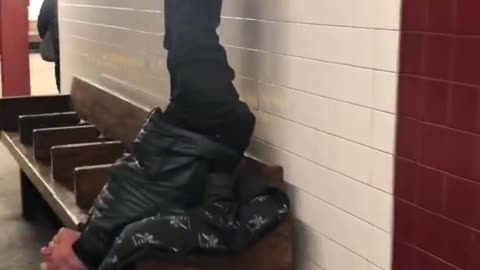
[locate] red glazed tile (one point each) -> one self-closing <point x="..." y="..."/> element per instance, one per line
<point x="464" y="111"/>
<point x="438" y="56"/>
<point x="425" y="261"/>
<point x="433" y="146"/>
<point x="468" y="21"/>
<point x="404" y="256"/>
<point x="420" y="185"/>
<point x="474" y="259"/>
<point x="411" y="96"/>
<point x="441" y="17"/>
<point x="450" y="241"/>
<point x="462" y="199"/>
<point x="429" y="232"/>
<point x="457" y="242"/>
<point x="408" y="138"/>
<point x="431" y="188"/>
<point x="463" y="152"/>
<point x="406" y="179"/>
<point x="436" y="102"/>
<point x="410" y="258"/>
<point x="414" y="15"/>
<point x="404" y="216"/>
<point x="467" y="60"/>
<point x="411" y="55"/>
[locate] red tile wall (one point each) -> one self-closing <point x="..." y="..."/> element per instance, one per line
<point x="437" y="179"/>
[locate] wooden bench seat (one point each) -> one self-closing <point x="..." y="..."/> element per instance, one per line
<point x="65" y="160"/>
<point x="56" y="195"/>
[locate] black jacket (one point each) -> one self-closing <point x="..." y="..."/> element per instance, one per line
<point x="170" y="168"/>
<point x="48" y="22"/>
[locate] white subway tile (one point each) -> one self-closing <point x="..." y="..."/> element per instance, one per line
<point x="338" y="154"/>
<point x="383" y="137"/>
<point x="338" y="190"/>
<point x="341" y="119"/>
<point x="386" y="13"/>
<point x="382" y="171"/>
<point x="386" y="50"/>
<point x="380" y="207"/>
<point x="367" y="13"/>
<point x="248" y="91"/>
<point x="380" y="247"/>
<point x="351" y="46"/>
<point x="345" y="83"/>
<point x="385" y="91"/>
<point x="331" y="222"/>
<point x="249" y="63"/>
<point x="249" y="34"/>
<point x="372" y="266"/>
<point x="350" y="232"/>
<point x="326" y="253"/>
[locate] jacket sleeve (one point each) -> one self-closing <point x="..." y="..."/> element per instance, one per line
<point x="123" y="200"/>
<point x="47" y="14"/>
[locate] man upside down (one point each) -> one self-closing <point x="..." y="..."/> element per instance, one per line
<point x="182" y="190"/>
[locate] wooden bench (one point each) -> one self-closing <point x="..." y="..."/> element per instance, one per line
<point x="61" y="148"/>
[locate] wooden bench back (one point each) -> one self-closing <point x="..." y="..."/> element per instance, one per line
<point x="115" y="116"/>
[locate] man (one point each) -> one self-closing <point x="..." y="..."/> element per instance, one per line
<point x="48" y="23"/>
<point x="204" y="102"/>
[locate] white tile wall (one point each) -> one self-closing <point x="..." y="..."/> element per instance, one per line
<point x="321" y="76"/>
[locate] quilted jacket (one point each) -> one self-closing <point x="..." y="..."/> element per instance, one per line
<point x="178" y="193"/>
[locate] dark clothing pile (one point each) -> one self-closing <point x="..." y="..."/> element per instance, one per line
<point x="183" y="190"/>
<point x="48" y="23"/>
<point x="178" y="195"/>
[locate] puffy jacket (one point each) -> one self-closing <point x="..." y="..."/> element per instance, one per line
<point x="168" y="169"/>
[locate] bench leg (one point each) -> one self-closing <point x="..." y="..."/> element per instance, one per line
<point x="29" y="196"/>
<point x="34" y="208"/>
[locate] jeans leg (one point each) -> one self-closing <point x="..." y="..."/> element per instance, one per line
<point x="203" y="97"/>
<point x="195" y="57"/>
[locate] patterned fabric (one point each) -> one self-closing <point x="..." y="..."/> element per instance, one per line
<point x="215" y="229"/>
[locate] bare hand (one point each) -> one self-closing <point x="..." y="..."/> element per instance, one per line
<point x="59" y="255"/>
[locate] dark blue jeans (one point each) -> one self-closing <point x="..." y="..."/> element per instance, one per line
<point x="203" y="97"/>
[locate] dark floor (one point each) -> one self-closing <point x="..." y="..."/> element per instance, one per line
<point x="20" y="241"/>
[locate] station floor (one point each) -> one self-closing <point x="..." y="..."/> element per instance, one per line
<point x="20" y="241"/>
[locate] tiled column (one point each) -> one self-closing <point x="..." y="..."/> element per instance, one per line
<point x="437" y="185"/>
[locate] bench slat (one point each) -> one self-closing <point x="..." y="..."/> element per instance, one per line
<point x="44" y="139"/>
<point x="11" y="108"/>
<point x="89" y="182"/>
<point x="28" y="123"/>
<point x="65" y="158"/>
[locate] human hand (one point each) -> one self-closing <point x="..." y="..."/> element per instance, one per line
<point x="59" y="255"/>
